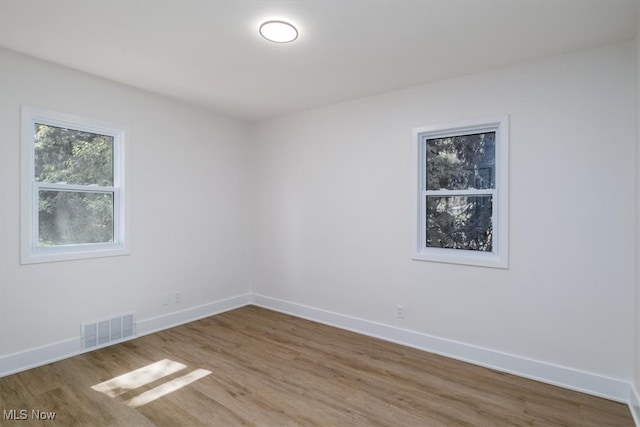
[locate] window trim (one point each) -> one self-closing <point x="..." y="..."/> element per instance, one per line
<point x="30" y="251"/>
<point x="499" y="256"/>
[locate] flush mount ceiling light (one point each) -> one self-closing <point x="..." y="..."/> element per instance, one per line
<point x="278" y="31"/>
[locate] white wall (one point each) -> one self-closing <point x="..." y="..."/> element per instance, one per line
<point x="188" y="209"/>
<point x="333" y="211"/>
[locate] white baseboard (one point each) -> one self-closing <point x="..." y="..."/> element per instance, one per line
<point x="573" y="379"/>
<point x="634" y="404"/>
<point x="21" y="361"/>
<point x="32" y="358"/>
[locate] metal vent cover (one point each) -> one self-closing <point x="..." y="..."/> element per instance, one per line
<point x="104" y="332"/>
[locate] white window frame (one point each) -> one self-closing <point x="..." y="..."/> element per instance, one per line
<point x="31" y="252"/>
<point x="499" y="256"/>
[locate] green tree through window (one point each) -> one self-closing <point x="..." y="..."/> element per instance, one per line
<point x="77" y="158"/>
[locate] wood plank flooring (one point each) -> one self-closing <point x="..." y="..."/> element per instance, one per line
<point x="253" y="366"/>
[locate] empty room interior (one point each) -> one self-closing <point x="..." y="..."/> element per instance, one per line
<point x="421" y="213"/>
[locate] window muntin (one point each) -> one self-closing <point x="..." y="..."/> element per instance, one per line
<point x="461" y="177"/>
<point x="73" y="188"/>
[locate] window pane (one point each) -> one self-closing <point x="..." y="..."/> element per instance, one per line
<point x="459" y="222"/>
<point x="72" y="156"/>
<point x="461" y="162"/>
<point x="70" y="217"/>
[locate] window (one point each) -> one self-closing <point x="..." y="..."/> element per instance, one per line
<point x="461" y="196"/>
<point x="72" y="188"/>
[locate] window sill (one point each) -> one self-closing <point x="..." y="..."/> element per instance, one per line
<point x="463" y="257"/>
<point x="71" y="254"/>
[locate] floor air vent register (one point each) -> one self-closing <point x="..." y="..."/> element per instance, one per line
<point x="105" y="332"/>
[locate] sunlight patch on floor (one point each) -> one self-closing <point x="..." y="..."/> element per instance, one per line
<point x="168" y="387"/>
<point x="147" y="375"/>
<point x="134" y="379"/>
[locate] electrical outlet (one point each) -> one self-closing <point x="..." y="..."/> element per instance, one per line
<point x="400" y="311"/>
<point x="178" y="297"/>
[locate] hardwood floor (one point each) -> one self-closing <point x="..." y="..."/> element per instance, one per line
<point x="253" y="366"/>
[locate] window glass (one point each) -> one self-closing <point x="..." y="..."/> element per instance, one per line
<point x="461" y="162"/>
<point x="459" y="222"/>
<point x="72" y="156"/>
<point x="74" y="217"/>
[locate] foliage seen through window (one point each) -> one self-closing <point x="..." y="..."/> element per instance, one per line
<point x="83" y="211"/>
<point x="456" y="165"/>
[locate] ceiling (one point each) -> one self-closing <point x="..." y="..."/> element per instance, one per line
<point x="209" y="53"/>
